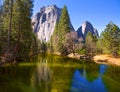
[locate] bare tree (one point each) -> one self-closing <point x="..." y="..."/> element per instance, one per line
<point x="71" y="41"/>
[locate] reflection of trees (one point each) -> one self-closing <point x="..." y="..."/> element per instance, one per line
<point x="41" y="78"/>
<point x="112" y="78"/>
<point x="81" y="84"/>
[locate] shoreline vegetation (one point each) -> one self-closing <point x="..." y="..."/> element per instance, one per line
<point x="99" y="59"/>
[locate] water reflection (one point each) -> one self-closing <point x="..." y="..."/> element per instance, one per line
<point x="81" y="84"/>
<point x="41" y="78"/>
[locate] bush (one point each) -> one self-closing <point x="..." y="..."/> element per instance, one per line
<point x="81" y="51"/>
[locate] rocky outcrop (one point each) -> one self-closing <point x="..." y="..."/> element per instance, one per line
<point x="84" y="28"/>
<point x="43" y="22"/>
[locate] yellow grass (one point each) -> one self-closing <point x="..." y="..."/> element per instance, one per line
<point x="106" y="59"/>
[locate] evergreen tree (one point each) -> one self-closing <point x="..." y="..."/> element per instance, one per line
<point x="110" y="39"/>
<point x="61" y="29"/>
<point x="50" y="44"/>
<point x="17" y="31"/>
<point x="22" y="31"/>
<point x="1" y="12"/>
<point x="7" y="21"/>
<point x="55" y="38"/>
<point x="64" y="24"/>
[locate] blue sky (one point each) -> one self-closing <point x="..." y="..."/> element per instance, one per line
<point x="98" y="12"/>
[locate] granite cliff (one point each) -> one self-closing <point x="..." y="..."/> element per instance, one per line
<point x="84" y="28"/>
<point x="43" y="22"/>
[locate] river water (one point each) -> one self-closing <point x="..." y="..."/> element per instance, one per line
<point x="51" y="73"/>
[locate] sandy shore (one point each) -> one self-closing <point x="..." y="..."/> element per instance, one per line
<point x="106" y="59"/>
<point x="99" y="59"/>
<point x="75" y="55"/>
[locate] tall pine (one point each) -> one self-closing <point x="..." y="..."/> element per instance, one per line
<point x="61" y="29"/>
<point x="22" y="31"/>
<point x="110" y="39"/>
<point x="64" y="24"/>
<point x="17" y="29"/>
<point x="7" y="21"/>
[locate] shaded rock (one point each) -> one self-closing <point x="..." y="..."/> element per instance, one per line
<point x="84" y="28"/>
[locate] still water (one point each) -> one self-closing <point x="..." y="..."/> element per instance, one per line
<point x="50" y="73"/>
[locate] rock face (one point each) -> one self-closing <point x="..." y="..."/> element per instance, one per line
<point x="84" y="28"/>
<point x="43" y="22"/>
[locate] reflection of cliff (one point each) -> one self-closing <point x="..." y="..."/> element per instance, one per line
<point x="81" y="84"/>
<point x="44" y="73"/>
<point x="41" y="78"/>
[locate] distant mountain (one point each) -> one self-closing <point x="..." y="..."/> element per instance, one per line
<point x="43" y="22"/>
<point x="84" y="28"/>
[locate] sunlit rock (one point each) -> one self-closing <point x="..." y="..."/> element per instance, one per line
<point x="43" y="22"/>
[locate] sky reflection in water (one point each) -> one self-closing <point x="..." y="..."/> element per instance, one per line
<point x="81" y="84"/>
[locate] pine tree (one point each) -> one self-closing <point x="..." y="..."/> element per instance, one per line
<point x="64" y="24"/>
<point x="7" y="21"/>
<point x="110" y="39"/>
<point x="1" y="12"/>
<point x="55" y="38"/>
<point x="61" y="29"/>
<point x="22" y="31"/>
<point x="17" y="31"/>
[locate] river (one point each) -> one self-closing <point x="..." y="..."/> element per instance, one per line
<point x="51" y="73"/>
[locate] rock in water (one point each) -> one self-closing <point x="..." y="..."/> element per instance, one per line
<point x="43" y="22"/>
<point x="83" y="30"/>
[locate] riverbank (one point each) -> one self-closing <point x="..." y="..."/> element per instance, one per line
<point x="78" y="56"/>
<point x="99" y="59"/>
<point x="106" y="59"/>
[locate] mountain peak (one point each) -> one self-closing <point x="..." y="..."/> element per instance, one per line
<point x="84" y="28"/>
<point x="87" y="22"/>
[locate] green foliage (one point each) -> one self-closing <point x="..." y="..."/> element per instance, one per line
<point x="90" y="43"/>
<point x="64" y="24"/>
<point x="110" y="39"/>
<point x="81" y="51"/>
<point x="62" y="49"/>
<point x="22" y="31"/>
<point x="55" y="38"/>
<point x="50" y="45"/>
<point x="0" y="28"/>
<point x="17" y="31"/>
<point x="62" y="27"/>
<point x="34" y="45"/>
<point x="43" y="47"/>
